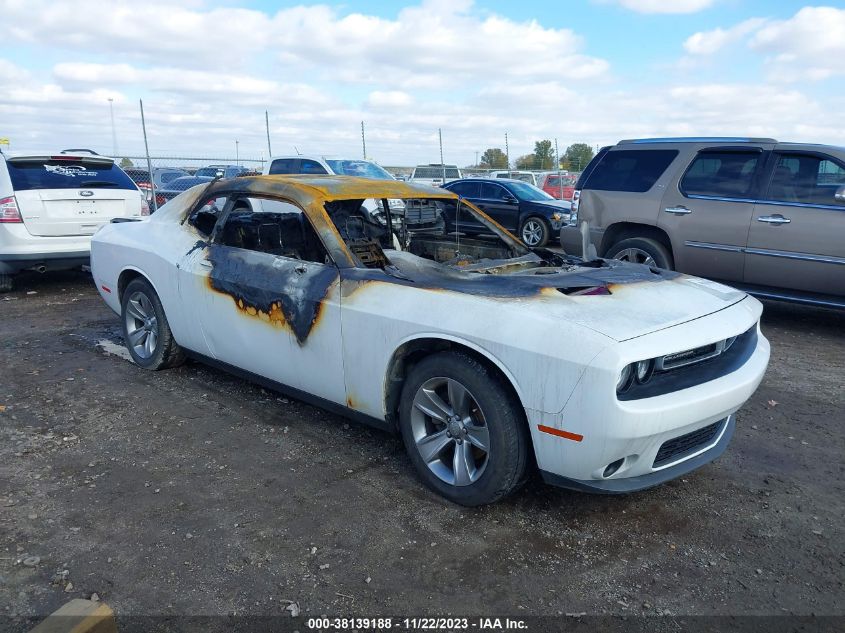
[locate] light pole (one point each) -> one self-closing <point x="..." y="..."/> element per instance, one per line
<point x="113" y="131"/>
<point x="508" y="154"/>
<point x="237" y="154"/>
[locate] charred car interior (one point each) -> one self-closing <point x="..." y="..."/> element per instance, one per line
<point x="425" y="236"/>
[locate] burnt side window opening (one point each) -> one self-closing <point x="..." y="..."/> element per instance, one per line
<point x="205" y="216"/>
<point x="384" y="232"/>
<point x="273" y="227"/>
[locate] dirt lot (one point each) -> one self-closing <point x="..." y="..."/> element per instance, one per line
<point x="192" y="492"/>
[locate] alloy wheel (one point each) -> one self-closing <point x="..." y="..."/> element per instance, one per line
<point x="635" y="255"/>
<point x="450" y="431"/>
<point x="532" y="232"/>
<point x="141" y="325"/>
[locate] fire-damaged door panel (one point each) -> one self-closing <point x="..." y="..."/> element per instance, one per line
<point x="271" y="287"/>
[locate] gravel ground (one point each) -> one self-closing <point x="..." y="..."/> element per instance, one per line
<point x="189" y="491"/>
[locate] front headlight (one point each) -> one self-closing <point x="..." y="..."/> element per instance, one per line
<point x="641" y="372"/>
<point x="644" y="370"/>
<point x="624" y="378"/>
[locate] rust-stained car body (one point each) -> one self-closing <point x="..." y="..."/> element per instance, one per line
<point x="614" y="376"/>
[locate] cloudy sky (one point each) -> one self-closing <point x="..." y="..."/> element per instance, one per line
<point x="591" y="71"/>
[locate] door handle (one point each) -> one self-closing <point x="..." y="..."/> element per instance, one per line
<point x="774" y="219"/>
<point x="677" y="210"/>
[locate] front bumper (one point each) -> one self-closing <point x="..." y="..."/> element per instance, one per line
<point x="596" y="428"/>
<point x="649" y="480"/>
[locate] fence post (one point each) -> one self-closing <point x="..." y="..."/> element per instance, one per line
<point x="267" y="127"/>
<point x="559" y="179"/>
<point x="442" y="164"/>
<point x="147" y="152"/>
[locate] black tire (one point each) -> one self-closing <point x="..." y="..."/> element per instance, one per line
<point x="638" y="249"/>
<point x="6" y="283"/>
<point x="505" y="468"/>
<point x="542" y="224"/>
<point x="166" y="352"/>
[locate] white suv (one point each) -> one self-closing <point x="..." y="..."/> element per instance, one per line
<point x="317" y="165"/>
<point x="435" y="174"/>
<point x="51" y="205"/>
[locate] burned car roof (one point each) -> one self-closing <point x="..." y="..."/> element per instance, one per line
<point x="307" y="189"/>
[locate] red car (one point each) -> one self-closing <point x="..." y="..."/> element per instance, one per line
<point x="558" y="186"/>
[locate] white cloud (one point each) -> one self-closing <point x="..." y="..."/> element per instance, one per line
<point x="389" y="99"/>
<point x="809" y="45"/>
<point x="665" y="6"/>
<point x="709" y="42"/>
<point x="237" y="89"/>
<point x="11" y="73"/>
<point x="320" y="72"/>
<point x="432" y="45"/>
<point x="139" y="30"/>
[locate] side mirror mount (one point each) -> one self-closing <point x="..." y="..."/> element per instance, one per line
<point x="839" y="196"/>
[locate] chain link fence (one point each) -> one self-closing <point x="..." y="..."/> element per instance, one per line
<point x="164" y="177"/>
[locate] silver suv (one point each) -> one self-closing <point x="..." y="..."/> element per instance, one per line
<point x="761" y="215"/>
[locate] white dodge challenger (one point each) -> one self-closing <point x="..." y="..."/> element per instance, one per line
<point x="489" y="358"/>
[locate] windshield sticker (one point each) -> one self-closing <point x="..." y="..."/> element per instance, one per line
<point x="69" y="170"/>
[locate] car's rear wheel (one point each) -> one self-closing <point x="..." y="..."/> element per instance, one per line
<point x="145" y="329"/>
<point x="534" y="232"/>
<point x="642" y="250"/>
<point x="463" y="431"/>
<point x="6" y="283"/>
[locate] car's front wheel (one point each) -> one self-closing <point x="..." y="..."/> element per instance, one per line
<point x="534" y="232"/>
<point x="145" y="329"/>
<point x="642" y="250"/>
<point x="463" y="431"/>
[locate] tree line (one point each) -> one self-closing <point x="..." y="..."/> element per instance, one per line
<point x="575" y="158"/>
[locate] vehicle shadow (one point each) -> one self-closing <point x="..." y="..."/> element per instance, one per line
<point x="47" y="282"/>
<point x="824" y="321"/>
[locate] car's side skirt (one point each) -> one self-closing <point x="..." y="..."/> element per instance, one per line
<point x="298" y="394"/>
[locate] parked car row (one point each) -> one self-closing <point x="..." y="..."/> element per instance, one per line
<point x="751" y="212"/>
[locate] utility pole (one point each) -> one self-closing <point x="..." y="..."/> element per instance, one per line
<point x="149" y="162"/>
<point x="237" y="153"/>
<point x="559" y="179"/>
<point x="363" y="141"/>
<point x="267" y="127"/>
<point x="476" y="159"/>
<point x="507" y="154"/>
<point x="113" y="132"/>
<point x="442" y="165"/>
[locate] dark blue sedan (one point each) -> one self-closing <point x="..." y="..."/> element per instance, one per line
<point x="520" y="207"/>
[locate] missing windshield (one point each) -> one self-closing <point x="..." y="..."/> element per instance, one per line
<point x="428" y="228"/>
